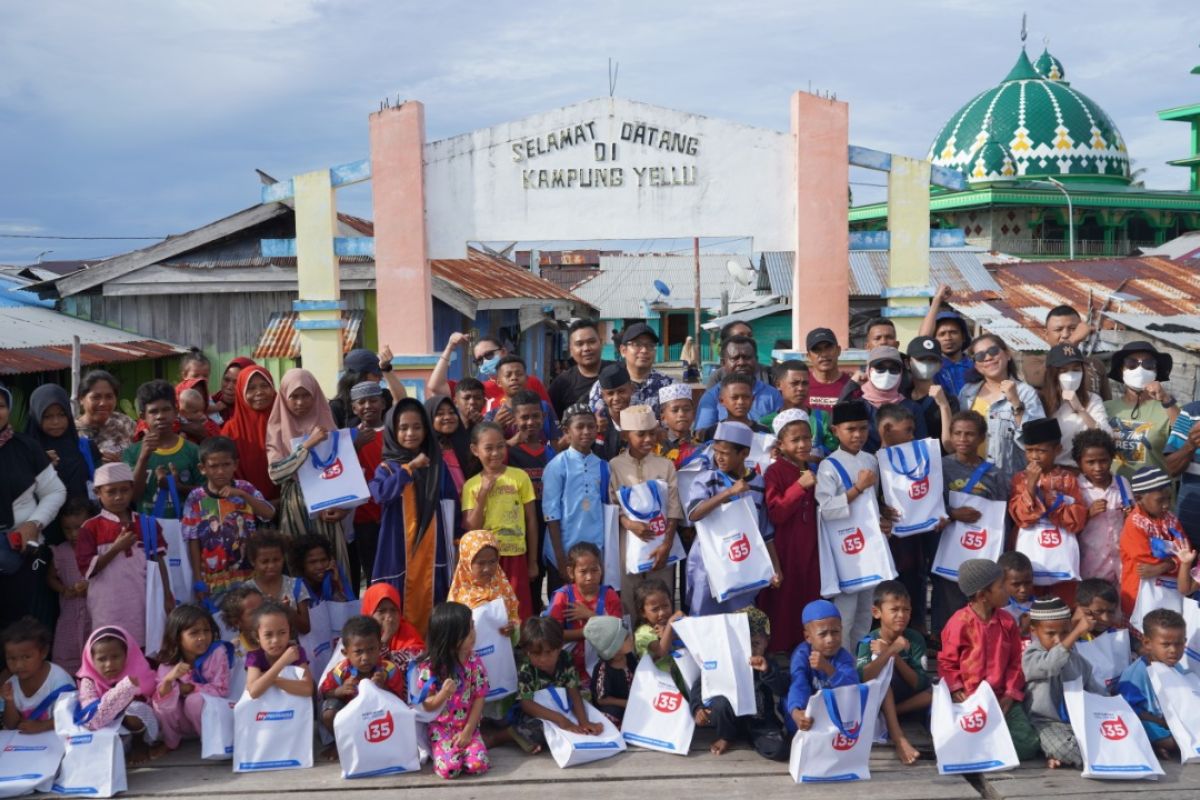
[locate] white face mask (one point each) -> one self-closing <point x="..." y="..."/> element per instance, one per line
<point x="925" y="370"/>
<point x="1070" y="381"/>
<point x="1138" y="379"/>
<point x="885" y="381"/>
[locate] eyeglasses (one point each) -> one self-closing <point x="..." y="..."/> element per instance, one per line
<point x="889" y="367"/>
<point x="638" y="344"/>
<point x="479" y="359"/>
<point x="987" y="355"/>
<point x="1148" y="363"/>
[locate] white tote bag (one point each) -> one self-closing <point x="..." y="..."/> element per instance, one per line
<point x="318" y="642"/>
<point x="376" y="734"/>
<point x="93" y="762"/>
<point x="734" y="554"/>
<point x="28" y="762"/>
<point x="1178" y="695"/>
<point x="179" y="564"/>
<point x="274" y="731"/>
<point x="761" y="447"/>
<point x="1154" y="593"/>
<point x="647" y="502"/>
<point x="721" y="643"/>
<point x="336" y="612"/>
<point x="494" y="649"/>
<point x="216" y="728"/>
<point x="331" y="476"/>
<point x="156" y="593"/>
<point x="854" y="555"/>
<point x="1053" y="551"/>
<point x="687" y="664"/>
<point x="837" y="748"/>
<point x="657" y="715"/>
<point x="911" y="477"/>
<point x="572" y="749"/>
<point x="960" y="541"/>
<point x="1111" y="738"/>
<point x="612" y="544"/>
<point x="1191" y="615"/>
<point x="1108" y="654"/>
<point x="971" y="736"/>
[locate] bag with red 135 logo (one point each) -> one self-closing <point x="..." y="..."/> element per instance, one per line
<point x="911" y="478"/>
<point x="332" y="477"/>
<point x="970" y="736"/>
<point x="736" y="560"/>
<point x="1053" y="551"/>
<point x="959" y="541"/>
<point x="1112" y="741"/>
<point x="657" y="716"/>
<point x="838" y="745"/>
<point x="376" y="734"/>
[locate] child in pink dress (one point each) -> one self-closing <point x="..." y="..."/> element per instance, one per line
<point x="74" y="622"/>
<point x="194" y="663"/>
<point x="116" y="682"/>
<point x="453" y="679"/>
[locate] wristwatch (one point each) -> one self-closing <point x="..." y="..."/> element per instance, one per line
<point x="1019" y="408"/>
<point x="1170" y="402"/>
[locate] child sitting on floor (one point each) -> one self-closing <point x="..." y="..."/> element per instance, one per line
<point x="276" y="650"/>
<point x="1018" y="584"/>
<point x="193" y="662"/>
<point x="543" y="664"/>
<point x="653" y="634"/>
<point x="819" y="662"/>
<point x="586" y="597"/>
<point x="1164" y="640"/>
<point x="364" y="658"/>
<point x="116" y="682"/>
<point x="612" y="677"/>
<point x="36" y="683"/>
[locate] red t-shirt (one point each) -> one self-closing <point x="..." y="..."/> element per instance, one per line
<point x="370" y="456"/>
<point x="562" y="598"/>
<point x="494" y="395"/>
<point x="825" y="395"/>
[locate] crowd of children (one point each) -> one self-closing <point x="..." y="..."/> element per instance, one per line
<point x="597" y="518"/>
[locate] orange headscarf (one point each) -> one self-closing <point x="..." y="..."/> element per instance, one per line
<point x="472" y="594"/>
<point x="248" y="430"/>
<point x="406" y="639"/>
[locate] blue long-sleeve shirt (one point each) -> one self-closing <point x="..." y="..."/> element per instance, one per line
<point x="806" y="680"/>
<point x="710" y="411"/>
<point x="574" y="489"/>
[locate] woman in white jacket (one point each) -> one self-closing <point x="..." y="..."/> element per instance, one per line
<point x="1066" y="398"/>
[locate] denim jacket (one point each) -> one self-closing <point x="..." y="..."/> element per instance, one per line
<point x="1005" y="448"/>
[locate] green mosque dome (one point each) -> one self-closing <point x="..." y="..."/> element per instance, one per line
<point x="1032" y="126"/>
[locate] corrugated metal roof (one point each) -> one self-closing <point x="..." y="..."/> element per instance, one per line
<point x="37" y="339"/>
<point x="626" y="281"/>
<point x="960" y="268"/>
<point x="1185" y="247"/>
<point x="281" y="340"/>
<point x="1181" y="330"/>
<point x="486" y="277"/>
<point x="993" y="320"/>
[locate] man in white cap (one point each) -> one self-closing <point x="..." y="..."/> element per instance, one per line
<point x="636" y="466"/>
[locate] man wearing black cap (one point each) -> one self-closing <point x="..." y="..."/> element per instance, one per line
<point x="639" y="345"/>
<point x="825" y="379"/>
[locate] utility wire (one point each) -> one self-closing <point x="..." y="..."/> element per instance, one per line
<point x="83" y="238"/>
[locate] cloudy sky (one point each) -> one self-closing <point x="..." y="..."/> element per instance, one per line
<point x="144" y="117"/>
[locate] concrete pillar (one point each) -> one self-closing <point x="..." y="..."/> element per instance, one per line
<point x="821" y="272"/>
<point x="908" y="256"/>
<point x="403" y="283"/>
<point x="320" y="321"/>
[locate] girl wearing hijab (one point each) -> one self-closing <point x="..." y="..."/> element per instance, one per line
<point x="30" y="496"/>
<point x="453" y="438"/>
<point x="253" y="399"/>
<point x="74" y="457"/>
<point x="116" y="682"/>
<point x="478" y="579"/>
<point x="400" y="638"/>
<point x="300" y="412"/>
<point x="415" y="547"/>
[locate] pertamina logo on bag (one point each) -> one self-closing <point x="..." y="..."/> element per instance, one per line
<point x="853" y="544"/>
<point x="1113" y="727"/>
<point x="918" y="489"/>
<point x="334" y="470"/>
<point x="1050" y="537"/>
<point x="380" y="727"/>
<point x="975" y="721"/>
<point x="739" y="548"/>
<point x="974" y="539"/>
<point x="274" y="716"/>
<point x="843" y="742"/>
<point x="668" y="702"/>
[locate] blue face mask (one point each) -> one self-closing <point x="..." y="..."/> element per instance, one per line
<point x="488" y="368"/>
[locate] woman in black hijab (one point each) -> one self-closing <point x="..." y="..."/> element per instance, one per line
<point x="453" y="438"/>
<point x="52" y="425"/>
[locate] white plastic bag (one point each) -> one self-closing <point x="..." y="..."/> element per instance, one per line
<point x="854" y="555"/>
<point x="687" y="664"/>
<point x="1108" y="654"/>
<point x="837" y="748"/>
<point x="494" y="649"/>
<point x="274" y="731"/>
<point x="1178" y="695"/>
<point x="721" y="644"/>
<point x="156" y="593"/>
<point x="1191" y="615"/>
<point x="735" y="556"/>
<point x="960" y="541"/>
<point x="1111" y="738"/>
<point x="657" y="715"/>
<point x="970" y="736"/>
<point x="572" y="749"/>
<point x="1053" y="551"/>
<point x="376" y="734"/>
<point x="179" y="564"/>
<point x="331" y="476"/>
<point x="318" y="642"/>
<point x="911" y="478"/>
<point x="1153" y="593"/>
<point x="647" y="502"/>
<point x="612" y="544"/>
<point x="216" y="728"/>
<point x="28" y="762"/>
<point x="93" y="762"/>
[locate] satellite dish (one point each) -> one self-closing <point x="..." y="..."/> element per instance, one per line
<point x="662" y="288"/>
<point x="740" y="272"/>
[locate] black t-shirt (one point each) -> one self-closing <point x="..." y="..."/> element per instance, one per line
<point x="570" y="387"/>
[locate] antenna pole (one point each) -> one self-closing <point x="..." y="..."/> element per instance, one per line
<point x="696" y="300"/>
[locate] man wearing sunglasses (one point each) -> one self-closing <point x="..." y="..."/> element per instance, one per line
<point x="487" y="354"/>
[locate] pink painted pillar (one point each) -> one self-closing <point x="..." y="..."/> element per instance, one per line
<point x="403" y="287"/>
<point x="821" y="272"/>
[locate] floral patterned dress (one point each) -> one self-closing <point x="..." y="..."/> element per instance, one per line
<point x="449" y="760"/>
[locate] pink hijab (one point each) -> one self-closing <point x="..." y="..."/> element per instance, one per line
<point x="136" y="665"/>
<point x="283" y="426"/>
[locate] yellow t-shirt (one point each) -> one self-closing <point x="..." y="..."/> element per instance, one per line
<point x="504" y="513"/>
<point x="982" y="407"/>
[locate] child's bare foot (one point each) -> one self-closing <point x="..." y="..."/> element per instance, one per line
<point x="330" y="753"/>
<point x="719" y="747"/>
<point x="139" y="751"/>
<point x="1053" y="763"/>
<point x="905" y="752"/>
<point x="157" y="750"/>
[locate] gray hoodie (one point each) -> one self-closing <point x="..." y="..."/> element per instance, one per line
<point x="1045" y="670"/>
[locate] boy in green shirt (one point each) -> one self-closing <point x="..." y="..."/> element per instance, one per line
<point x="162" y="452"/>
